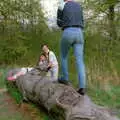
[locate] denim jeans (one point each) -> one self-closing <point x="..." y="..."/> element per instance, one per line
<point x="73" y="37"/>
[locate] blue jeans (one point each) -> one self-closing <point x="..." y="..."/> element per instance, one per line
<point x="73" y="37"/>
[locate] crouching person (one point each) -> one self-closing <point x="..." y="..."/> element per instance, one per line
<point x="52" y="62"/>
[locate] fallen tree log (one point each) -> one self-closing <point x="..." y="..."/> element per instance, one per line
<point x="60" y="99"/>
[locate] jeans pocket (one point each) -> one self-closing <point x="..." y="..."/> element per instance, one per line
<point x="79" y="39"/>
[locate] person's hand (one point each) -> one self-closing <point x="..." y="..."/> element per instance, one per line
<point x="48" y="68"/>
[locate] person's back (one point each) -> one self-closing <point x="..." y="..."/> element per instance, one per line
<point x="71" y="15"/>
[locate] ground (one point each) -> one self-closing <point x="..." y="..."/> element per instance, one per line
<point x="9" y="110"/>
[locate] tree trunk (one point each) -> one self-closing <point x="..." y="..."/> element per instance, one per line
<point x="111" y="16"/>
<point x="61" y="100"/>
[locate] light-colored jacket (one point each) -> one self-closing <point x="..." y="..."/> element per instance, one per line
<point x="52" y="59"/>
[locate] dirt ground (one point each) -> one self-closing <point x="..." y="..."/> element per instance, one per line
<point x="9" y="110"/>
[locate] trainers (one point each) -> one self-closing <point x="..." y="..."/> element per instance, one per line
<point x="63" y="81"/>
<point x="81" y="91"/>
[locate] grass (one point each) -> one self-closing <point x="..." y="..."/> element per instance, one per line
<point x="100" y="96"/>
<point x="110" y="99"/>
<point x="37" y="113"/>
<point x="2" y="78"/>
<point x="102" y="88"/>
<point x="8" y="109"/>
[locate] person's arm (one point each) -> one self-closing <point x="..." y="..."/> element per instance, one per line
<point x="60" y="13"/>
<point x="82" y="16"/>
<point x="59" y="17"/>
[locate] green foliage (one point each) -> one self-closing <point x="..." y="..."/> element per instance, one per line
<point x="9" y="85"/>
<point x="11" y="53"/>
<point x="109" y="99"/>
<point x="22" y="28"/>
<point x="57" y="113"/>
<point x="106" y="98"/>
<point x="103" y="16"/>
<point x="13" y="90"/>
<point x="2" y="78"/>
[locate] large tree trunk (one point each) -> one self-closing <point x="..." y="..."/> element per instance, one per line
<point x="60" y="99"/>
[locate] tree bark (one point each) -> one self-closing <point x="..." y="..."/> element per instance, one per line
<point x="61" y="100"/>
<point x="111" y="17"/>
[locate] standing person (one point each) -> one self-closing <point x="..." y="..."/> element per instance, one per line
<point x="52" y="62"/>
<point x="70" y="19"/>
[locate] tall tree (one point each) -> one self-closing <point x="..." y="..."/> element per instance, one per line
<point x="105" y="9"/>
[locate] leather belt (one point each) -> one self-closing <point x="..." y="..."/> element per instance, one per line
<point x="76" y="26"/>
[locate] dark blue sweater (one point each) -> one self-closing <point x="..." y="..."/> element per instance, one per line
<point x="71" y="15"/>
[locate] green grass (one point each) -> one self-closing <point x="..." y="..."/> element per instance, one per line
<point x="7" y="110"/>
<point x="13" y="91"/>
<point x="104" y="98"/>
<point x="10" y="86"/>
<point x="2" y="78"/>
<point x="109" y="98"/>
